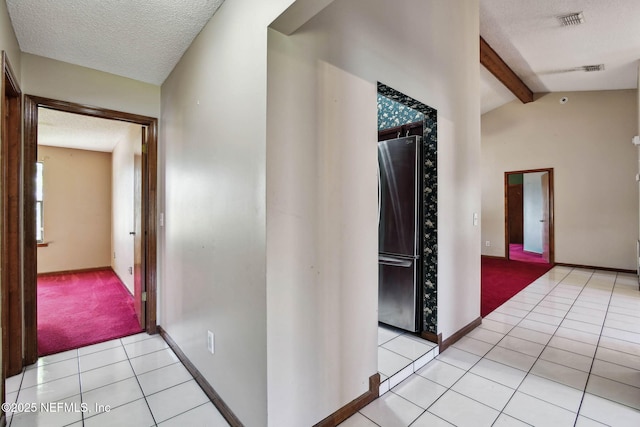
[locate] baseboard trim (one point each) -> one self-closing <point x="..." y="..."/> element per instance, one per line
<point x="493" y="257"/>
<point x="430" y="336"/>
<point x="591" y="267"/>
<point x="355" y="405"/>
<point x="122" y="282"/>
<point x="81" y="270"/>
<point x="461" y="333"/>
<point x="202" y="382"/>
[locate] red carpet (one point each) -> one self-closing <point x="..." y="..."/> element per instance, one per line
<point x="501" y="279"/>
<point x="80" y="309"/>
<point x="517" y="253"/>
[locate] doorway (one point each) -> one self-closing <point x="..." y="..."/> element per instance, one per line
<point x="147" y="231"/>
<point x="529" y="227"/>
<point x="87" y="231"/>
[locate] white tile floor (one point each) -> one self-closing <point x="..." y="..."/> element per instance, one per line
<point x="565" y="351"/>
<point x="400" y="354"/>
<point x="138" y="377"/>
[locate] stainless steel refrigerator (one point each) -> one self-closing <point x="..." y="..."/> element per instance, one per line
<point x="399" y="236"/>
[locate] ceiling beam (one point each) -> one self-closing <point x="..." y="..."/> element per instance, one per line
<point x="492" y="62"/>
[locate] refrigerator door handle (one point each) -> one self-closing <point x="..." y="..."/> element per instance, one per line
<point x="394" y="261"/>
<point x="379" y="195"/>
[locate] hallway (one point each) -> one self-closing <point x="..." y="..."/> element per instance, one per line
<point x="529" y="363"/>
<point x="531" y="360"/>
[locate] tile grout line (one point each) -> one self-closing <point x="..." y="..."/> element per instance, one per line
<point x="594" y="358"/>
<point x="467" y="371"/>
<point x="545" y="346"/>
<point x="596" y="351"/>
<point x="135" y="375"/>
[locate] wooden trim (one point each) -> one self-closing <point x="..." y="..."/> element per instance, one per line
<point x="202" y="381"/>
<point x="11" y="239"/>
<point x="591" y="267"/>
<point x="430" y="336"/>
<point x="30" y="259"/>
<point x="150" y="221"/>
<point x="43" y="245"/>
<point x="81" y="270"/>
<point x="552" y="242"/>
<point x="149" y="200"/>
<point x="355" y="405"/>
<point x="461" y="333"/>
<point x="493" y="257"/>
<point x="496" y="66"/>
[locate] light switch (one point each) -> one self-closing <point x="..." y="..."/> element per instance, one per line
<point x="475" y="218"/>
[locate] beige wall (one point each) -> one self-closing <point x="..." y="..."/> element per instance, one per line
<point x="8" y="41"/>
<point x="60" y="80"/>
<point x="77" y="209"/>
<point x="588" y="143"/>
<point x="122" y="216"/>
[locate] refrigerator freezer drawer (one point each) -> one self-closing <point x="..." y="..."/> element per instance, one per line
<point x="397" y="294"/>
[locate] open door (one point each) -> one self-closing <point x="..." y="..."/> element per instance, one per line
<point x="544" y="181"/>
<point x="138" y="270"/>
<point x="543" y="215"/>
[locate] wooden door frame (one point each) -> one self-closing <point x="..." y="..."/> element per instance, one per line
<point x="551" y="211"/>
<point x="11" y="279"/>
<point x="149" y="208"/>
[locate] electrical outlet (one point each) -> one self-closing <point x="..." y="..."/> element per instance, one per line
<point x="211" y="342"/>
<point x="487" y="243"/>
<point x="161" y="218"/>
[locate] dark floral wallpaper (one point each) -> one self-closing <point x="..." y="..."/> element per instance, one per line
<point x="392" y="113"/>
<point x="395" y="117"/>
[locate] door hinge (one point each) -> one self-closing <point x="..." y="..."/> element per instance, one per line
<point x="144" y="297"/>
<point x="144" y="148"/>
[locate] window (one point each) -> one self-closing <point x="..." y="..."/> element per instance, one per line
<point x="39" y="215"/>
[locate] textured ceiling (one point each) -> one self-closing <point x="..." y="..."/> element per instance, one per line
<point x="60" y="129"/>
<point x="530" y="39"/>
<point x="142" y="40"/>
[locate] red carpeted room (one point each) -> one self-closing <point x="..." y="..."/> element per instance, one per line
<point x="82" y="308"/>
<point x="88" y="259"/>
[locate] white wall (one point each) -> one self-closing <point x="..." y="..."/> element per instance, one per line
<point x="321" y="236"/>
<point x="322" y="187"/>
<point x="532" y="211"/>
<point x="217" y="246"/>
<point x="212" y="248"/>
<point x="122" y="212"/>
<point x="587" y="142"/>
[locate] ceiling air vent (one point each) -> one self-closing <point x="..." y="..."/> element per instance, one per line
<point x="590" y="68"/>
<point x="571" y="19"/>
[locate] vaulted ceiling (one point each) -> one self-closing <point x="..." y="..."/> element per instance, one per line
<point x="550" y="57"/>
